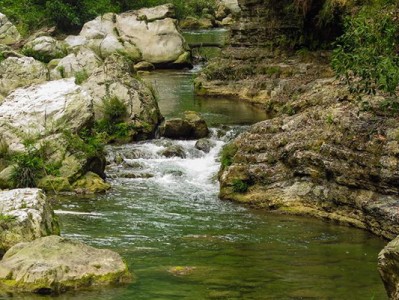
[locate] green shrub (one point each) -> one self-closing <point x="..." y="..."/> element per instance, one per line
<point x="227" y="155"/>
<point x="366" y="54"/>
<point x="29" y="167"/>
<point x="81" y="76"/>
<point x="240" y="186"/>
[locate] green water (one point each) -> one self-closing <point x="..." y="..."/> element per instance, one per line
<point x="175" y="219"/>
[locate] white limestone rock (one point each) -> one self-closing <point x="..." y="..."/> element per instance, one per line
<point x="26" y="214"/>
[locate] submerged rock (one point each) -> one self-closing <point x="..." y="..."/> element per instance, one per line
<point x="388" y="266"/>
<point x="173" y="151"/>
<point x="25" y="215"/>
<point x="8" y="32"/>
<point x="204" y="145"/>
<point x="53" y="265"/>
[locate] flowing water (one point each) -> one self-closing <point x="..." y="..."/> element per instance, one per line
<point x="164" y="217"/>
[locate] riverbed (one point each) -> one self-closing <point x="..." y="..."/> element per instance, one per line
<point x="163" y="215"/>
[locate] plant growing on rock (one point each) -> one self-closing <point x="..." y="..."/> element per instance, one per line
<point x="114" y="122"/>
<point x="29" y="166"/>
<point x="240" y="186"/>
<point x="367" y="53"/>
<point x="227" y="155"/>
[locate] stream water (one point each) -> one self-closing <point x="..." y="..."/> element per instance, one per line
<point x="164" y="217"/>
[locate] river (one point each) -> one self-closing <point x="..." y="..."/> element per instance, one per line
<point x="164" y="217"/>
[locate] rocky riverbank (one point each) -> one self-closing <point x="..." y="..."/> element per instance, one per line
<point x="323" y="152"/>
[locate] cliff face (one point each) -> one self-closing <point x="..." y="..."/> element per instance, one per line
<point x="330" y="160"/>
<point x="323" y="153"/>
<point x="266" y="22"/>
<point x="265" y="62"/>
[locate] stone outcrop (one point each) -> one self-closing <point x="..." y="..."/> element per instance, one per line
<point x="325" y="157"/>
<point x="114" y="79"/>
<point x="25" y="215"/>
<point x="8" y="32"/>
<point x="148" y="34"/>
<point x="45" y="48"/>
<point x="52" y="265"/>
<point x="388" y="266"/>
<point x="44" y="109"/>
<point x="191" y="126"/>
<point x="45" y="114"/>
<point x="260" y="64"/>
<point x="84" y="61"/>
<point x="20" y="71"/>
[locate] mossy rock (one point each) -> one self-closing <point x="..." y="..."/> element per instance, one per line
<point x="91" y="183"/>
<point x="53" y="265"/>
<point x="55" y="184"/>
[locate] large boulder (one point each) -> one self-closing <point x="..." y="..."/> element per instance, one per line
<point x="44" y="109"/>
<point x="20" y="71"/>
<point x="53" y="265"/>
<point x="388" y="266"/>
<point x="114" y="80"/>
<point x="50" y="116"/>
<point x="83" y="61"/>
<point x="45" y="48"/>
<point x="148" y="34"/>
<point x="191" y="126"/>
<point x="8" y="32"/>
<point x="318" y="158"/>
<point x="25" y="215"/>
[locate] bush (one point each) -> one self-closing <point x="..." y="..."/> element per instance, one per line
<point x="29" y="167"/>
<point x="240" y="186"/>
<point x="366" y="54"/>
<point x="228" y="153"/>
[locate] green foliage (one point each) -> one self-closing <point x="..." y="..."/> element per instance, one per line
<point x="70" y="15"/>
<point x="227" y="155"/>
<point x="366" y="54"/>
<point x="81" y="76"/>
<point x="29" y="166"/>
<point x="86" y="143"/>
<point x="61" y="69"/>
<point x="42" y="57"/>
<point x="6" y="220"/>
<point x="114" y="125"/>
<point x="240" y="186"/>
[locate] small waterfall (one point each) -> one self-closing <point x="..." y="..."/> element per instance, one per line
<point x="189" y="172"/>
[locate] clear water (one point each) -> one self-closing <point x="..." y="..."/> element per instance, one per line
<point x="222" y="250"/>
<point x="164" y="217"/>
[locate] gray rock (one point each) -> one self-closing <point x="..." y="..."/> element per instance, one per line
<point x="113" y="79"/>
<point x="25" y="215"/>
<point x="8" y="32"/>
<point x="388" y="266"/>
<point x="84" y="60"/>
<point x="20" y="71"/>
<point x="204" y="145"/>
<point x="173" y="151"/>
<point x="53" y="265"/>
<point x="45" y="48"/>
<point x="44" y="109"/>
<point x="136" y="34"/>
<point x="191" y="126"/>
